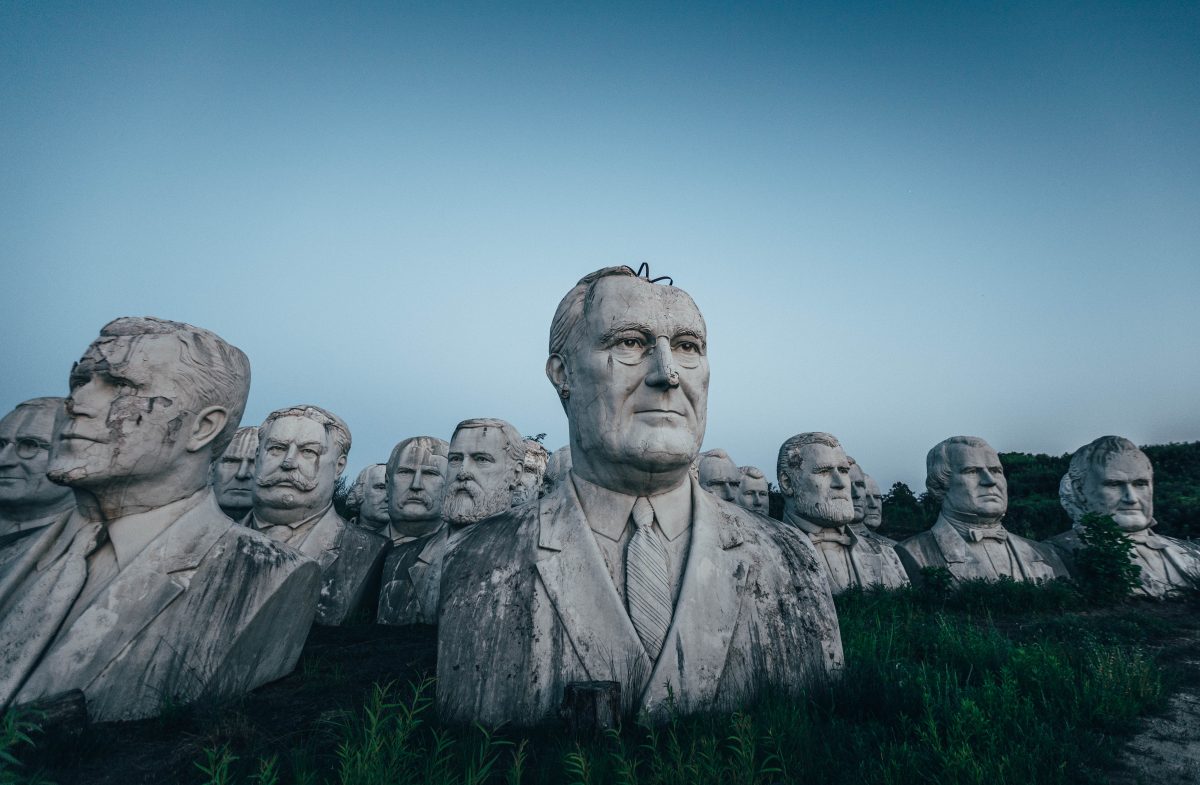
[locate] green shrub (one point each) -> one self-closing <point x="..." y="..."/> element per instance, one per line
<point x="1104" y="570"/>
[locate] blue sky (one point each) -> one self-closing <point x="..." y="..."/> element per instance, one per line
<point x="901" y="222"/>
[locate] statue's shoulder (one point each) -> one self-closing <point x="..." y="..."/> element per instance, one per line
<point x="263" y="553"/>
<point x="1068" y="541"/>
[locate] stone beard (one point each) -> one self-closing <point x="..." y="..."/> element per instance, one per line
<point x="627" y="556"/>
<point x="127" y="596"/>
<point x="28" y="499"/>
<point x="485" y="462"/>
<point x="233" y="474"/>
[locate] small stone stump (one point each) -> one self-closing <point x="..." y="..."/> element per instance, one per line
<point x="64" y="712"/>
<point x="591" y="707"/>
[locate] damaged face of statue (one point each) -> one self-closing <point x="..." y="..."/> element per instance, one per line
<point x="233" y="473"/>
<point x="127" y="418"/>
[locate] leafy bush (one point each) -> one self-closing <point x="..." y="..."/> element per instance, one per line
<point x="1104" y="570"/>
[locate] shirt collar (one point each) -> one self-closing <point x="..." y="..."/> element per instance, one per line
<point x="259" y="524"/>
<point x="608" y="511"/>
<point x="131" y="534"/>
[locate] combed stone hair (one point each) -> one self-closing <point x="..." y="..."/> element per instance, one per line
<point x="514" y="442"/>
<point x="334" y="426"/>
<point x="752" y="472"/>
<point x="434" y="445"/>
<point x="216" y="372"/>
<point x="1070" y="489"/>
<point x="574" y="304"/>
<point x="789" y="451"/>
<point x="358" y="491"/>
<point x="937" y="463"/>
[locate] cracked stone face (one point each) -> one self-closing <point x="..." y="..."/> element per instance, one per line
<point x="26" y="435"/>
<point x="298" y="465"/>
<point x="977" y="489"/>
<point x="638" y="383"/>
<point x="858" y="492"/>
<point x="233" y="473"/>
<point x="754" y="492"/>
<point x="126" y="414"/>
<point x="720" y="477"/>
<point x="874" y="504"/>
<point x="1121" y="486"/>
<point x="372" y="493"/>
<point x="417" y="485"/>
<point x="483" y="475"/>
<point x="817" y="487"/>
<point x="533" y="470"/>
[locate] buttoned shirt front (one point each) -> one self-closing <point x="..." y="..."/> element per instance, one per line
<point x="608" y="516"/>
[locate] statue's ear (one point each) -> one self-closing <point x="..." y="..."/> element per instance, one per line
<point x="208" y="424"/>
<point x="556" y="371"/>
<point x="785" y="483"/>
<point x="341" y="465"/>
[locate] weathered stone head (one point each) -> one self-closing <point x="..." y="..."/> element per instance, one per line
<point x="858" y="490"/>
<point x="368" y="498"/>
<point x="152" y="404"/>
<point x="755" y="492"/>
<point x="26" y="435"/>
<point x="965" y="475"/>
<point x="416" y="473"/>
<point x="814" y="478"/>
<point x="628" y="360"/>
<point x="719" y="475"/>
<point x="302" y="451"/>
<point x="1110" y="476"/>
<point x="874" y="507"/>
<point x="233" y="474"/>
<point x="485" y="461"/>
<point x="533" y="469"/>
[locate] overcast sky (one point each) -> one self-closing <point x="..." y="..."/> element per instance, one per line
<point x="899" y="223"/>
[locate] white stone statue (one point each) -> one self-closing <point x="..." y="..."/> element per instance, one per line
<point x="861" y="484"/>
<point x="233" y="474"/>
<point x="873" y="511"/>
<point x="416" y="473"/>
<point x="533" y="470"/>
<point x="485" y="463"/>
<point x="629" y="570"/>
<point x="368" y="500"/>
<point x="1111" y="476"/>
<point x="301" y="453"/>
<point x="754" y="494"/>
<point x="719" y="475"/>
<point x="969" y="539"/>
<point x="28" y="500"/>
<point x="557" y="468"/>
<point x="815" y="480"/>
<point x="146" y="594"/>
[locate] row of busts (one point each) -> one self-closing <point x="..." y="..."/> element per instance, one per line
<point x="828" y="496"/>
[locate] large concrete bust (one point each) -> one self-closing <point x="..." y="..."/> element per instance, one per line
<point x="28" y="499"/>
<point x="969" y="539"/>
<point x="107" y="598"/>
<point x="233" y="474"/>
<point x="817" y="480"/>
<point x="1111" y="476"/>
<point x="627" y="570"/>
<point x="485" y="460"/>
<point x="302" y="450"/>
<point x="533" y="471"/>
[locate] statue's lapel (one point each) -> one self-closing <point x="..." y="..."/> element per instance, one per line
<point x="574" y="575"/>
<point x="697" y="644"/>
<point x="961" y="563"/>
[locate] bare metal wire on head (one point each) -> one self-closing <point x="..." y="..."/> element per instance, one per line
<point x="643" y="271"/>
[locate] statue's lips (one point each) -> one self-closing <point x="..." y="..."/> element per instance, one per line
<point x="660" y="411"/>
<point x="78" y="437"/>
<point x="992" y="496"/>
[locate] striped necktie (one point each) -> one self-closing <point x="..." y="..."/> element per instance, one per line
<point x="647" y="580"/>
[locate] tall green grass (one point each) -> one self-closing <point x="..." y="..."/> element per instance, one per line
<point x="1004" y="683"/>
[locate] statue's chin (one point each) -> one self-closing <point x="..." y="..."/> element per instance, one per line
<point x="1130" y="521"/>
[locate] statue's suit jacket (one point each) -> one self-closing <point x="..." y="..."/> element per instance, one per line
<point x="411" y="577"/>
<point x="206" y="609"/>
<point x="1183" y="556"/>
<point x="876" y="559"/>
<point x="942" y="546"/>
<point x="528" y="605"/>
<point x="351" y="559"/>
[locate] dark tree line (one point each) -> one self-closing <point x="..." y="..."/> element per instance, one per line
<point x="1033" y="508"/>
